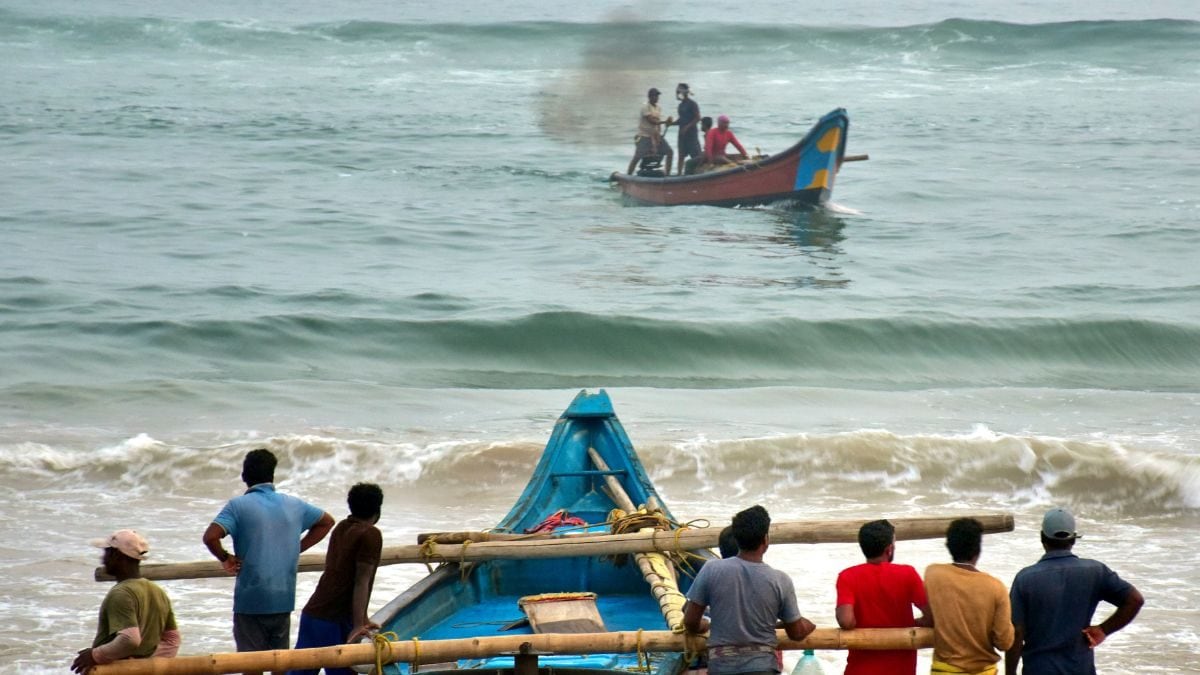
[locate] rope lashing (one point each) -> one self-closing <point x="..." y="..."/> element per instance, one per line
<point x="428" y="552"/>
<point x="383" y="641"/>
<point x="464" y="568"/>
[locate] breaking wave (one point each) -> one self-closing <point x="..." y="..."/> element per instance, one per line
<point x="1009" y="471"/>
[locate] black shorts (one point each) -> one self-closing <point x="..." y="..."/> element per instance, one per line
<point x="689" y="145"/>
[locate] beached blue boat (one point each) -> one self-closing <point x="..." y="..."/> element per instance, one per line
<point x="484" y="600"/>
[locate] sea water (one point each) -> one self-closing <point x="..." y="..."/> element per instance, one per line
<point x="378" y="239"/>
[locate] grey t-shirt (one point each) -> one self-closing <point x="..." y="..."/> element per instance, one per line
<point x="745" y="599"/>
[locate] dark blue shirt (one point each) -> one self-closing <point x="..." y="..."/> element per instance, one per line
<point x="1054" y="600"/>
<point x="689" y="110"/>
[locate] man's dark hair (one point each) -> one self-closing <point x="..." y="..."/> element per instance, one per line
<point x="259" y="467"/>
<point x="705" y="122"/>
<point x="365" y="500"/>
<point x="874" y="537"/>
<point x="727" y="543"/>
<point x="964" y="538"/>
<point x="750" y="527"/>
<point x="1053" y="544"/>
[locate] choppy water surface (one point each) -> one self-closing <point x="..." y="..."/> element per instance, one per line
<point x="380" y="241"/>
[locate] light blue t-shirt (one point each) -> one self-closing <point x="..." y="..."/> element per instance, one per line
<point x="266" y="528"/>
<point x="745" y="599"/>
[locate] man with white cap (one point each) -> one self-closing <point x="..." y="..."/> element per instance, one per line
<point x="136" y="620"/>
<point x="1053" y="602"/>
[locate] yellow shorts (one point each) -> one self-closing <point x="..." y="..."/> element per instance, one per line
<point x="942" y="668"/>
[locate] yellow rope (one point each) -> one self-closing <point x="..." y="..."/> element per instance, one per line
<point x="428" y="552"/>
<point x="381" y="641"/>
<point x="416" y="662"/>
<point x="463" y="567"/>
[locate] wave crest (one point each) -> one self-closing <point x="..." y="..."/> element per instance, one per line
<point x="1010" y="471"/>
<point x="867" y="466"/>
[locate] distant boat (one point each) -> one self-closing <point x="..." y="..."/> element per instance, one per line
<point x="588" y="468"/>
<point x="802" y="175"/>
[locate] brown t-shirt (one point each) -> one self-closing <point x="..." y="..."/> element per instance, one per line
<point x="971" y="616"/>
<point x="353" y="541"/>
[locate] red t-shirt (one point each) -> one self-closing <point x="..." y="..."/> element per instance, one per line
<point x="716" y="140"/>
<point x="883" y="596"/>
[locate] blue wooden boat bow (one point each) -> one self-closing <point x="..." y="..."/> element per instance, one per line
<point x="482" y="599"/>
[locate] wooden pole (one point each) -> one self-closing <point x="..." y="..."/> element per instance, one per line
<point x="801" y="532"/>
<point x="440" y="651"/>
<point x="855" y="158"/>
<point x="656" y="568"/>
<point x="477" y="536"/>
<point x="615" y="490"/>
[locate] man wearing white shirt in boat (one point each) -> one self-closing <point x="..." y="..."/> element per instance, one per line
<point x="747" y="598"/>
<point x="649" y="141"/>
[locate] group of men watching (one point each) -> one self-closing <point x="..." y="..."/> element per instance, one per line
<point x="1045" y="619"/>
<point x="269" y="531"/>
<point x="650" y="143"/>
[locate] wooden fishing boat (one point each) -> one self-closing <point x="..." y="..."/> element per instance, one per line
<point x="588" y="469"/>
<point x="802" y="175"/>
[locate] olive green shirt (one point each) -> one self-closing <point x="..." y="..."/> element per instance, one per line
<point x="135" y="602"/>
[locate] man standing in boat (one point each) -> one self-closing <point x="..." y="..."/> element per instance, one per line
<point x="1053" y="602"/>
<point x="880" y="594"/>
<point x="337" y="611"/>
<point x="747" y="598"/>
<point x="688" y="121"/>
<point x="266" y="527"/>
<point x="649" y="141"/>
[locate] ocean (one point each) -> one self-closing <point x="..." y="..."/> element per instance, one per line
<point x="379" y="239"/>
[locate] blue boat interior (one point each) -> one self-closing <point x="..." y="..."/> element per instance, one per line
<point x="483" y="600"/>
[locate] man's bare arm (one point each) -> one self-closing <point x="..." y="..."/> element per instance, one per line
<point x="1119" y="619"/>
<point x="693" y="618"/>
<point x="799" y="629"/>
<point x="317" y="532"/>
<point x="845" y="617"/>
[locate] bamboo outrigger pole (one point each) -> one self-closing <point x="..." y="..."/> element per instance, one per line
<point x="440" y="651"/>
<point x="656" y="569"/>
<point x="685" y="539"/>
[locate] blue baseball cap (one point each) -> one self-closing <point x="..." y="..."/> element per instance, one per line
<point x="1059" y="524"/>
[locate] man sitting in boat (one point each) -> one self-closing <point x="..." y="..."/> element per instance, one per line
<point x="649" y="141"/>
<point x="716" y="140"/>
